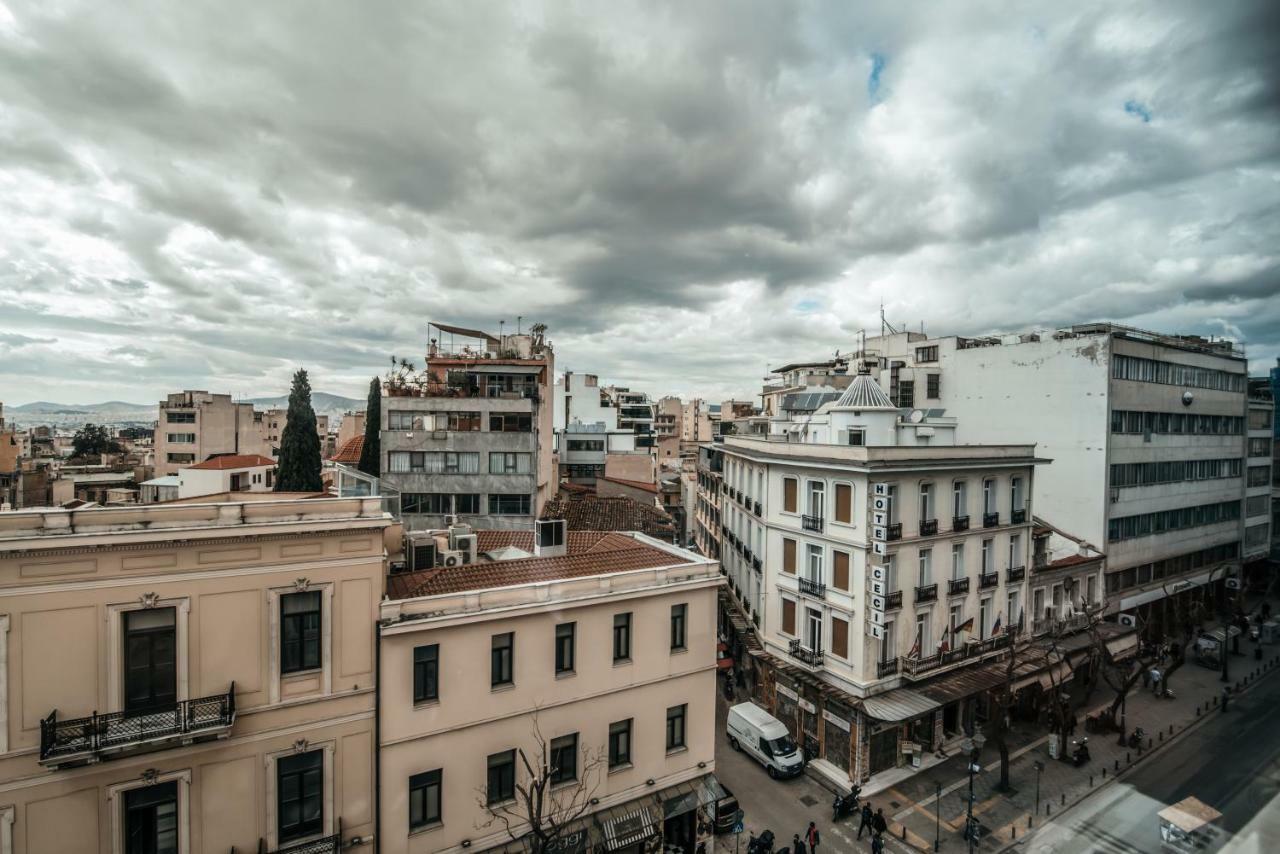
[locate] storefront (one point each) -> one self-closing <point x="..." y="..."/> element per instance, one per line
<point x="837" y="729"/>
<point x="901" y="728"/>
<point x="676" y="820"/>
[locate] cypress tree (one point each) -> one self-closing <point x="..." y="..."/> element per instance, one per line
<point x="371" y="452"/>
<point x="299" y="467"/>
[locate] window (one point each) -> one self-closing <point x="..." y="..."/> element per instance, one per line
<point x="926" y="563"/>
<point x="564" y="759"/>
<point x="790" y="488"/>
<point x="509" y="505"/>
<point x="466" y="502"/>
<point x="460" y="422"/>
<point x="844" y="503"/>
<point x="180" y="417"/>
<point x="817" y="496"/>
<point x="1146" y="524"/>
<point x="510" y="422"/>
<point x="788" y="617"/>
<point x="1173" y="373"/>
<point x="857" y="436"/>
<point x="150" y="659"/>
<point x="1015" y="493"/>
<point x="565" y="647"/>
<point x="813" y="563"/>
<point x="984" y="618"/>
<point x="989" y="556"/>
<point x="620" y="744"/>
<point x="300" y="795"/>
<point x="586" y="444"/>
<point x="299" y="631"/>
<point x="182" y="458"/>
<point x="501" y="659"/>
<point x="424" y="798"/>
<point x="1259" y="475"/>
<point x="510" y="463"/>
<point x="891" y="499"/>
<point x="927" y="354"/>
<point x="839" y="637"/>
<point x="679" y="621"/>
<point x="957" y="617"/>
<point x="182" y="438"/>
<point x="989" y="496"/>
<point x="426" y="673"/>
<point x="1015" y="550"/>
<point x="891" y="573"/>
<point x="888" y="643"/>
<point x="621" y="637"/>
<point x="675" y="727"/>
<point x="840" y="570"/>
<point x="433" y="462"/>
<point x="399" y="419"/>
<point x="1013" y="617"/>
<point x="151" y="819"/>
<point x="926" y="502"/>
<point x="957" y="561"/>
<point x="1091" y="590"/>
<point x="1175" y="423"/>
<point x="923" y="639"/>
<point x="933" y="386"/>
<point x="788" y="556"/>
<point x="502" y="777"/>
<point x="959" y="501"/>
<point x="906" y="394"/>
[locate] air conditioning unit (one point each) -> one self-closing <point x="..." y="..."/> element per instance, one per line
<point x="451" y="558"/>
<point x="550" y="537"/>
<point x="419" y="551"/>
<point x="1128" y="620"/>
<point x="450" y="520"/>
<point x="465" y="545"/>
<point x="1232" y="583"/>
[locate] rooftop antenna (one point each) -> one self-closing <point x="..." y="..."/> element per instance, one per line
<point x="502" y="339"/>
<point x="519" y="323"/>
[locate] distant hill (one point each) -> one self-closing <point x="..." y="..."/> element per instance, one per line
<point x="322" y="402"/>
<point x="44" y="407"/>
<point x="122" y="412"/>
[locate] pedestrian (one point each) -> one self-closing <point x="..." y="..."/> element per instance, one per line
<point x="811" y="837"/>
<point x="877" y="845"/>
<point x="867" y="815"/>
<point x="1155" y="681"/>
<point x="878" y="824"/>
<point x="797" y="845"/>
<point x="1226" y="695"/>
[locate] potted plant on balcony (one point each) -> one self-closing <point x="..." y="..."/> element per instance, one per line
<point x="401" y="379"/>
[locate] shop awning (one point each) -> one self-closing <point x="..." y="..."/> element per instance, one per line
<point x="965" y="682"/>
<point x="900" y="704"/>
<point x="630" y="828"/>
<point x="685" y="797"/>
<point x="1123" y="647"/>
<point x="1046" y="676"/>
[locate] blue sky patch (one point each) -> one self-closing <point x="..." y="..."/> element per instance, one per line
<point x="873" y="81"/>
<point x="1138" y="110"/>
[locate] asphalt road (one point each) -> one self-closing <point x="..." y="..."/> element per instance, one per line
<point x="1231" y="763"/>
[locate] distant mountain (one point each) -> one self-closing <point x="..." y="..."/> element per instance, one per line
<point x="322" y="402"/>
<point x="44" y="407"/>
<point x="122" y="412"/>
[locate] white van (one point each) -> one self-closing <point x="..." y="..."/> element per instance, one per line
<point x="761" y="735"/>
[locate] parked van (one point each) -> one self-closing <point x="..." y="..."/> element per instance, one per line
<point x="762" y="736"/>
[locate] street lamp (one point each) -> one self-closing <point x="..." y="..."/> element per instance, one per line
<point x="937" y="821"/>
<point x="973" y="746"/>
<point x="1123" y="699"/>
<point x="1039" y="766"/>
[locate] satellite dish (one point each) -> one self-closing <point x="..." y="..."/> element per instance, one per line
<point x="916" y="416"/>
<point x="1187" y="397"/>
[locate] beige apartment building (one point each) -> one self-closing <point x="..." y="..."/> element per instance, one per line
<point x="603" y="644"/>
<point x="195" y="425"/>
<point x="190" y="678"/>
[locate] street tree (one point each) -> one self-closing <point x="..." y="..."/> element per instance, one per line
<point x="298" y="469"/>
<point x="93" y="439"/>
<point x="371" y="451"/>
<point x="551" y="796"/>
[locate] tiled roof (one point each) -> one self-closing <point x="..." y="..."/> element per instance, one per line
<point x="608" y="553"/>
<point x="617" y="513"/>
<point x="635" y="484"/>
<point x="233" y="461"/>
<point x="350" y="451"/>
<point x="1072" y="560"/>
<point x="578" y="542"/>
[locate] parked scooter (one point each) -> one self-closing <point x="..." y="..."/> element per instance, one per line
<point x="762" y="844"/>
<point x="1137" y="737"/>
<point x="845" y="805"/>
<point x="1079" y="752"/>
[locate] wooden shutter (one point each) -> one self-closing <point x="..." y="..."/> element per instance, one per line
<point x="790" y="486"/>
<point x="839" y="637"/>
<point x="844" y="502"/>
<point x="789" y="556"/>
<point x="788" y="617"/>
<point x="840" y="570"/>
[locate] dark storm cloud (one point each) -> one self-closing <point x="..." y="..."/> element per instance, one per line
<point x="210" y="194"/>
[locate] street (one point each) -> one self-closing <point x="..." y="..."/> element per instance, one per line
<point x="1231" y="763"/>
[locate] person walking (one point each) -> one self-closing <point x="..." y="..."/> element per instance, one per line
<point x="867" y="815"/>
<point x="877" y="845"/>
<point x="797" y="845"/>
<point x="811" y="837"/>
<point x="878" y="824"/>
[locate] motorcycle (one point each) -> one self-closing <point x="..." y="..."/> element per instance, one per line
<point x="762" y="844"/>
<point x="845" y="805"/>
<point x="1079" y="752"/>
<point x="1136" y="737"/>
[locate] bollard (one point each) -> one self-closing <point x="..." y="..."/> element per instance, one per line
<point x="1030" y="821"/>
<point x="1013" y="832"/>
<point x="1161" y="734"/>
<point x="904" y="833"/>
<point x="1090" y="781"/>
<point x="1197" y="711"/>
<point x="1047" y="810"/>
<point x="1104" y="772"/>
<point x="1064" y="798"/>
<point x="1117" y="767"/>
<point x="1150" y="744"/>
<point x="1127" y="760"/>
<point x="1170" y="729"/>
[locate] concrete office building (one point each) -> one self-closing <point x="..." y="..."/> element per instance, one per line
<point x="1259" y="488"/>
<point x="195" y="425"/>
<point x="190" y="677"/>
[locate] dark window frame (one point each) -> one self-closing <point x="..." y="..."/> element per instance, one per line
<point x="620" y="743"/>
<point x="308" y="769"/>
<point x="563" y="758"/>
<point x="301" y="633"/>
<point x="679" y="626"/>
<point x="502" y="657"/>
<point x="622" y="637"/>
<point x="426" y="673"/>
<point x="677" y="722"/>
<point x="420" y="813"/>
<point x="566" y="642"/>
<point x="500" y="780"/>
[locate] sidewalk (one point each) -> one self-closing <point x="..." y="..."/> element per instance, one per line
<point x="915" y="811"/>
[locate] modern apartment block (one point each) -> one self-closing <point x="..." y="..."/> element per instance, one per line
<point x="1146" y="431"/>
<point x="473" y="438"/>
<point x="193" y="426"/>
<point x="1259" y="486"/>
<point x="886" y="568"/>
<point x="190" y="677"/>
<point x="636" y="412"/>
<point x="590" y="653"/>
<point x="587" y="431"/>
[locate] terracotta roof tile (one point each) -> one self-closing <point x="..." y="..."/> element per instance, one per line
<point x="233" y="461"/>
<point x="1072" y="560"/>
<point x="635" y="484"/>
<point x="615" y="513"/>
<point x="350" y="451"/>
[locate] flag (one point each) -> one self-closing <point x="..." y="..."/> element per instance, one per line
<point x="966" y="626"/>
<point x="943" y="645"/>
<point x="1021" y="613"/>
<point x="995" y="630"/>
<point x="915" y="650"/>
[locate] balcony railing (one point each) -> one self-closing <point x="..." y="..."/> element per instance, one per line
<point x="1015" y="573"/>
<point x="925" y="664"/>
<point x="81" y="740"/>
<point x="894" y="531"/>
<point x="1017" y="517"/>
<point x="990" y="520"/>
<point x="927" y="593"/>
<point x="886" y="668"/>
<point x="928" y="527"/>
<point x="812" y="588"/>
<point x="759" y="510"/>
<point x="1060" y="626"/>
<point x="811" y="523"/>
<point x="811" y="657"/>
<point x="959" y="523"/>
<point x="327" y="845"/>
<point x="988" y="579"/>
<point x="756" y="564"/>
<point x="893" y="600"/>
<point x="957" y="586"/>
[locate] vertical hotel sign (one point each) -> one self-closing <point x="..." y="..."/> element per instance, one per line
<point x="877" y="574"/>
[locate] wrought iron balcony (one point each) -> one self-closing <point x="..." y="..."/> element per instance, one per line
<point x="1017" y="517"/>
<point x="990" y="520"/>
<point x="959" y="523"/>
<point x="893" y="531"/>
<point x="759" y="510"/>
<point x="811" y="523"/>
<point x="957" y="586"/>
<point x="756" y="564"/>
<point x="326" y="845"/>
<point x="988" y="579"/>
<point x="812" y="588"/>
<point x="811" y="657"/>
<point x="893" y="600"/>
<point x="928" y="527"/>
<point x="927" y="593"/>
<point x="926" y="664"/>
<point x="83" y="740"/>
<point x="1015" y="573"/>
<point x="886" y="668"/>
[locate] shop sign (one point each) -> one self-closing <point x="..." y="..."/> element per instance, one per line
<point x="787" y="692"/>
<point x="875" y="630"/>
<point x="878" y="532"/>
<point x="832" y="719"/>
<point x="878" y="573"/>
<point x="877" y="605"/>
<point x="807" y="706"/>
<point x="876" y="588"/>
<point x="880" y="548"/>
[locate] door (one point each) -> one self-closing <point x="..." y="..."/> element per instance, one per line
<point x="884" y="749"/>
<point x="813" y="630"/>
<point x="151" y="819"/>
<point x="150" y="660"/>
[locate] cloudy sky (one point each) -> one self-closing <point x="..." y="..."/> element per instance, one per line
<point x="208" y="194"/>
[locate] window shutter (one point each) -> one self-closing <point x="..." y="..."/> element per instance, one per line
<point x="789" y="556"/>
<point x="788" y="617"/>
<point x="840" y="574"/>
<point x="840" y="637"/>
<point x="789" y="489"/>
<point x="844" y="502"/>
